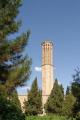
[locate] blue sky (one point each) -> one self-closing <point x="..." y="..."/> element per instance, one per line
<point x="59" y="22"/>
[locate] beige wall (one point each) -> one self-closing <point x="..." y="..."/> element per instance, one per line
<point x="22" y="98"/>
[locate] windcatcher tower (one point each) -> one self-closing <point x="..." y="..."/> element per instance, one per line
<point x="47" y="70"/>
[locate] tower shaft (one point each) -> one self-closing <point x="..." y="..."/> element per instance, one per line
<point x="47" y="70"/>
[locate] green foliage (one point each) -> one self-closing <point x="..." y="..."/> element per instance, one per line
<point x="68" y="90"/>
<point x="15" y="100"/>
<point x="9" y="111"/>
<point x="14" y="67"/>
<point x="68" y="104"/>
<point x="55" y="100"/>
<point x="54" y="117"/>
<point x="34" y="104"/>
<point x="78" y="116"/>
<point x="76" y="92"/>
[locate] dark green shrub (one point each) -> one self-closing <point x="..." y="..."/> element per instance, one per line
<point x="9" y="111"/>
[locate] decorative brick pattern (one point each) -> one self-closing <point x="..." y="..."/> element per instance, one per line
<point x="47" y="70"/>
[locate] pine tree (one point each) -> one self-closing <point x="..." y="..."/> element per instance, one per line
<point x="68" y="104"/>
<point x="9" y="110"/>
<point x="67" y="90"/>
<point x="75" y="87"/>
<point x="55" y="100"/>
<point x="14" y="67"/>
<point x="15" y="100"/>
<point x="34" y="104"/>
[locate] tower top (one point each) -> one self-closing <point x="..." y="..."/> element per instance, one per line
<point x="47" y="43"/>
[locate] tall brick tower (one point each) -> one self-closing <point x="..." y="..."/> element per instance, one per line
<point x="47" y="70"/>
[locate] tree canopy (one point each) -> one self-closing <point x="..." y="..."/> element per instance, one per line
<point x="14" y="66"/>
<point x="68" y="104"/>
<point x="34" y="104"/>
<point x="75" y="87"/>
<point x="55" y="100"/>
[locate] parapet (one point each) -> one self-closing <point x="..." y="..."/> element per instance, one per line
<point x="47" y="43"/>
